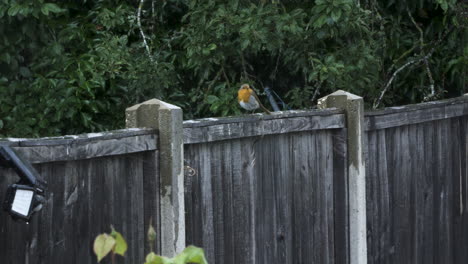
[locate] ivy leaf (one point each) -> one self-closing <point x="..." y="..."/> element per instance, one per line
<point x="103" y="244"/>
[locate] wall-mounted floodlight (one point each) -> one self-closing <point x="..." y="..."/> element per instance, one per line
<point x="25" y="197"/>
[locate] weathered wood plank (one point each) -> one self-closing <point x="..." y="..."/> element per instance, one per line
<point x="217" y="161"/>
<point x="206" y="190"/>
<point x="420" y="106"/>
<point x="457" y="143"/>
<point x="254" y="118"/>
<point x="340" y="192"/>
<point x="81" y="139"/>
<point x="94" y="149"/>
<point x="215" y="131"/>
<point x="407" y="115"/>
<point x="427" y="188"/>
<point x="151" y="193"/>
<point x="243" y="200"/>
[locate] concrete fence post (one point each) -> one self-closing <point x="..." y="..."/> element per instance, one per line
<point x="354" y="109"/>
<point x="167" y="119"/>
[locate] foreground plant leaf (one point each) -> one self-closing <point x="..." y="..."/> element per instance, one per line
<point x="191" y="254"/>
<point x="103" y="244"/>
<point x="152" y="258"/>
<point x="120" y="243"/>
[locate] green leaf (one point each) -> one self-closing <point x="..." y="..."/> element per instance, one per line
<point x="103" y="244"/>
<point x="44" y="10"/>
<point x="151" y="234"/>
<point x="443" y="4"/>
<point x="50" y="7"/>
<point x="336" y="14"/>
<point x="152" y="258"/>
<point x="25" y="72"/>
<point x="211" y="99"/>
<point x="212" y="46"/>
<point x="191" y="254"/>
<point x="120" y="243"/>
<point x="14" y="10"/>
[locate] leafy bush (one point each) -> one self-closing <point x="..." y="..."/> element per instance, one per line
<point x="73" y="67"/>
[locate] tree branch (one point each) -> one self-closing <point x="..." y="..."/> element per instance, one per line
<point x="377" y="102"/>
<point x="421" y="43"/>
<point x="140" y="6"/>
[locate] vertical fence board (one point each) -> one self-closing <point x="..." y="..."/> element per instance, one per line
<point x="340" y="186"/>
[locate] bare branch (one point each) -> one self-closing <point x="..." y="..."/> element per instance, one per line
<point x="376" y="104"/>
<point x="423" y="59"/>
<point x="421" y="43"/>
<point x="316" y="92"/>
<point x="243" y="65"/>
<point x="225" y="76"/>
<point x="141" y="30"/>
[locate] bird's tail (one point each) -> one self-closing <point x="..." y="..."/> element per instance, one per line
<point x="264" y="109"/>
<point x="261" y="105"/>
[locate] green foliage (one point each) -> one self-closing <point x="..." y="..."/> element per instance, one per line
<point x="190" y="254"/>
<point x="115" y="243"/>
<point x="71" y="67"/>
<point x="107" y="243"/>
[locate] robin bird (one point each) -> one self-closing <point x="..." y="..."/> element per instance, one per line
<point x="248" y="99"/>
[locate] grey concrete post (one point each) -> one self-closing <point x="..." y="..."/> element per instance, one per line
<point x="354" y="109"/>
<point x="167" y="119"/>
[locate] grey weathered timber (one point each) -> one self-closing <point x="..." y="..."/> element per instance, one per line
<point x="84" y="146"/>
<point x="413" y="114"/>
<point x="354" y="109"/>
<point x="167" y="119"/>
<point x="215" y="129"/>
<point x="268" y="193"/>
<point x="86" y="195"/>
<point x="417" y="180"/>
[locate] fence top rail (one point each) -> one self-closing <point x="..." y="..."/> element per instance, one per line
<point x="253" y="118"/>
<point x="85" y="146"/>
<point x="215" y="129"/>
<point x="417" y="113"/>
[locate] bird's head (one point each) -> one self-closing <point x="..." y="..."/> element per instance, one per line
<point x="245" y="86"/>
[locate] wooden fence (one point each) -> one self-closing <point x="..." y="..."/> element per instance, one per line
<point x="287" y="188"/>
<point x="94" y="181"/>
<point x="417" y="176"/>
<point x="268" y="189"/>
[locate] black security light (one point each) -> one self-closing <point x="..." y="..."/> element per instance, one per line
<point x="25" y="197"/>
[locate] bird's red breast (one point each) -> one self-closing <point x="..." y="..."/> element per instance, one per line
<point x="244" y="93"/>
